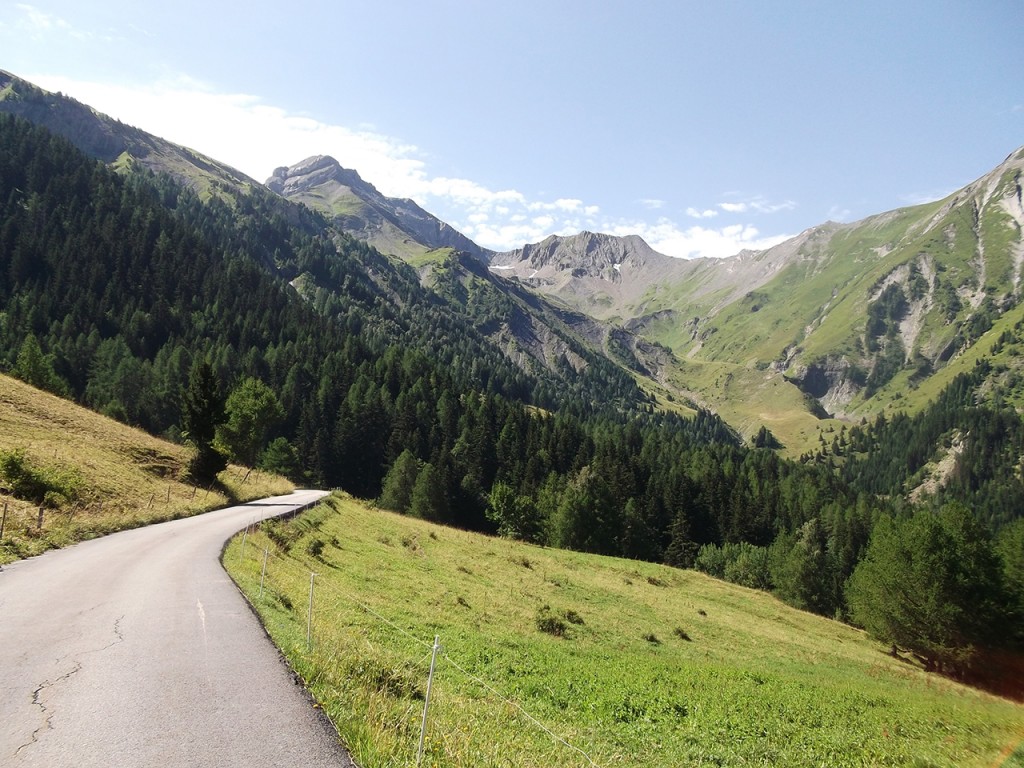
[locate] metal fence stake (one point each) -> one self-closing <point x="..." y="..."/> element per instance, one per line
<point x="309" y="616"/>
<point x="263" y="575"/>
<point x="426" y="699"/>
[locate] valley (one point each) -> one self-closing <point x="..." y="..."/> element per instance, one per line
<point x="831" y="428"/>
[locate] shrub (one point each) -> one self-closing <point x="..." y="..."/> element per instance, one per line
<point x="315" y="548"/>
<point x="551" y="624"/>
<point x="573" y="618"/>
<point x="48" y="486"/>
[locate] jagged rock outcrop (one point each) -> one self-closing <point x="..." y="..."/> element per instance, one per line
<point x="602" y="275"/>
<point x="397" y="226"/>
<point x="832" y="382"/>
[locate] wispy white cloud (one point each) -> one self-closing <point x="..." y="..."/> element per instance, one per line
<point x="757" y="205"/>
<point x="733" y="207"/>
<point x="39" y="24"/>
<point x="652" y="203"/>
<point x="838" y="213"/>
<point x="668" y="237"/>
<point x="920" y="198"/>
<point x="243" y="131"/>
<point x="41" y="21"/>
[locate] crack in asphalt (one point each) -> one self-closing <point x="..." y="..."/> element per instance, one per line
<point x="37" y="694"/>
<point x="47" y="715"/>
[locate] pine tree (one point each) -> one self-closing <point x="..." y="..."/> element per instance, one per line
<point x="931" y="585"/>
<point x="399" y="483"/>
<point x="202" y="410"/>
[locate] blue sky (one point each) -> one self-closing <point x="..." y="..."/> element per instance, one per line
<point x="703" y="127"/>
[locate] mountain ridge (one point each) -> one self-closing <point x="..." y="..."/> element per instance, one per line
<point x="397" y="226"/>
<point x="111" y="140"/>
<point x="844" y="319"/>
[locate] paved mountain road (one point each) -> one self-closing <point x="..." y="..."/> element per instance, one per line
<point x="136" y="649"/>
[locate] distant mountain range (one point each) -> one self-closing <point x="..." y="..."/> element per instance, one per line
<point x="856" y="316"/>
<point x="844" y="320"/>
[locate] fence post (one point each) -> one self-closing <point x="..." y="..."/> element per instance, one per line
<point x="168" y="495"/>
<point x="39" y="525"/>
<point x="263" y="575"/>
<point x="426" y="699"/>
<point x="3" y="522"/>
<point x="241" y="555"/>
<point x="309" y="615"/>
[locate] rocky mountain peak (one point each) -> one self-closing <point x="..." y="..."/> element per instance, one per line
<point x="398" y="226"/>
<point x="586" y="252"/>
<point x="313" y="172"/>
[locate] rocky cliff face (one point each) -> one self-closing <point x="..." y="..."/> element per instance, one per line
<point x="393" y="225"/>
<point x="832" y="383"/>
<point x="587" y="254"/>
<point x="600" y="274"/>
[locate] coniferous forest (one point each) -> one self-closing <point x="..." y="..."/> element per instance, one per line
<point x="315" y="356"/>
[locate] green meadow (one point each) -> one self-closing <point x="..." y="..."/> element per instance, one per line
<point x="556" y="658"/>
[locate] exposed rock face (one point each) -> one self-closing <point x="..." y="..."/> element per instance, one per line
<point x="360" y="209"/>
<point x="599" y="274"/>
<point x="588" y="253"/>
<point x="832" y="382"/>
<point x="311" y="173"/>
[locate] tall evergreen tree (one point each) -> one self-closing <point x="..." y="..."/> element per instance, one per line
<point x="202" y="410"/>
<point x="399" y="483"/>
<point x="931" y="585"/>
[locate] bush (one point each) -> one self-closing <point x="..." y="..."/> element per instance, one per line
<point x="315" y="548"/>
<point x="551" y="624"/>
<point x="206" y="464"/>
<point x="49" y="486"/>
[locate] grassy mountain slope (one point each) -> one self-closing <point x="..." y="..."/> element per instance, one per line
<point x="114" y="142"/>
<point x="114" y="477"/>
<point x="632" y="663"/>
<point x="846" y="315"/>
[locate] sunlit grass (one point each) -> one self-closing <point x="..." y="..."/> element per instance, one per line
<point x="655" y="666"/>
<point x="127" y="478"/>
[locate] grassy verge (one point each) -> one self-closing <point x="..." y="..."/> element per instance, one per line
<point x="110" y="476"/>
<point x="630" y="663"/>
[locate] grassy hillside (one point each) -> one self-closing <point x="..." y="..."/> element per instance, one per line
<point x="630" y="663"/>
<point x="109" y="476"/>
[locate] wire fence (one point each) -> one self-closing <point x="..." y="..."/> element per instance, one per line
<point x="265" y="563"/>
<point x="20" y="518"/>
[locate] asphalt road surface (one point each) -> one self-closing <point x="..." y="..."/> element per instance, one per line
<point x="136" y="649"/>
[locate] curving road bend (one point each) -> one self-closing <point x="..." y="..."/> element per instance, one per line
<point x="136" y="649"/>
